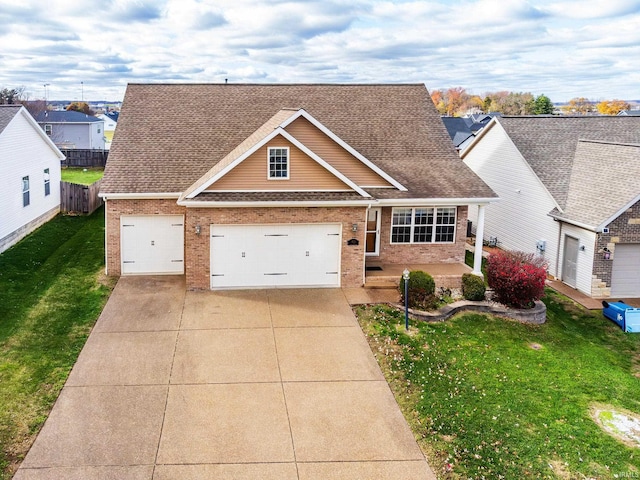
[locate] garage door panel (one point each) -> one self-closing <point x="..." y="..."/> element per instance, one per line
<point x="275" y="255"/>
<point x="152" y="244"/>
<point x="625" y="277"/>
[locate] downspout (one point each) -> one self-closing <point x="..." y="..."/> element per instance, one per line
<point x="106" y="236"/>
<point x="558" y="250"/>
<point x="364" y="250"/>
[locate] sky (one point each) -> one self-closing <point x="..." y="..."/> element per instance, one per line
<point x="88" y="49"/>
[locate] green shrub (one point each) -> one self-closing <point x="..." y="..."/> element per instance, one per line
<point x="422" y="289"/>
<point x="472" y="287"/>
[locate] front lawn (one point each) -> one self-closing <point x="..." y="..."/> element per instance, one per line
<point x="492" y="398"/>
<point x="52" y="290"/>
<point x="82" y="176"/>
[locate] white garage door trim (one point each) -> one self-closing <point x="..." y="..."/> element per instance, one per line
<point x="275" y="255"/>
<point x="152" y="244"/>
<point x="625" y="274"/>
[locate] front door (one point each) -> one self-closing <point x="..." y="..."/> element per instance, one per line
<point x="570" y="264"/>
<point x="373" y="232"/>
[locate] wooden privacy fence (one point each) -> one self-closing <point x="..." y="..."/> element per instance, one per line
<point x="81" y="199"/>
<point x="77" y="157"/>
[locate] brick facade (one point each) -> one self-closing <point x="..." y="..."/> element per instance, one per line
<point x="422" y="253"/>
<point x="624" y="229"/>
<point x="116" y="208"/>
<point x="197" y="247"/>
<point x="196" y="253"/>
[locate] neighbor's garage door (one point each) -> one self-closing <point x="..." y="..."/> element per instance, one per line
<point x="275" y="255"/>
<point x="152" y="244"/>
<point x="625" y="278"/>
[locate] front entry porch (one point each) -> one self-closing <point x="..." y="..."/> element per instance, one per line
<point x="446" y="275"/>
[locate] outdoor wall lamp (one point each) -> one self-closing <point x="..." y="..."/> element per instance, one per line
<point x="607" y="253"/>
<point x="354" y="227"/>
<point x="198" y="229"/>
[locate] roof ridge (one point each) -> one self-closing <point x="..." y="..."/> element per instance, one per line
<point x="606" y="142"/>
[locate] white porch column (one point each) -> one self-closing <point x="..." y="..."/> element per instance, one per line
<point x="477" y="260"/>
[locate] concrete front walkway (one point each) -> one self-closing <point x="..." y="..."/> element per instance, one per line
<point x="268" y="384"/>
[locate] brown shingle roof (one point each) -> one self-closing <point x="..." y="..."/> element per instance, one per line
<point x="604" y="179"/>
<point x="548" y="144"/>
<point x="168" y="136"/>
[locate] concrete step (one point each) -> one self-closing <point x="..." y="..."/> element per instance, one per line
<point x="381" y="282"/>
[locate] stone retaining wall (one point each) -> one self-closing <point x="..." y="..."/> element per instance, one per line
<point x="536" y="315"/>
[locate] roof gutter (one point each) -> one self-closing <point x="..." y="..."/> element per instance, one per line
<point x="138" y="196"/>
<point x="575" y="223"/>
<point x="413" y="202"/>
<point x="278" y="204"/>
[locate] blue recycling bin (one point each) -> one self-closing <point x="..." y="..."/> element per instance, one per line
<point x="626" y="317"/>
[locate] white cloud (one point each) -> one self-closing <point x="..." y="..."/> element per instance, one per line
<point x="560" y="48"/>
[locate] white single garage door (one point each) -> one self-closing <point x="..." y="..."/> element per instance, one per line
<point x="275" y="255"/>
<point x="152" y="244"/>
<point x="625" y="277"/>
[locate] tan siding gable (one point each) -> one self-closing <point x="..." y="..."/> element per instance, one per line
<point x="334" y="154"/>
<point x="304" y="173"/>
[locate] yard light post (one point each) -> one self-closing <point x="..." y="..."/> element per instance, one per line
<point x="405" y="276"/>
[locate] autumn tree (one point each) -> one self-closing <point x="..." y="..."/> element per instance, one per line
<point x="518" y="104"/>
<point x="437" y="97"/>
<point x="454" y="101"/>
<point x="579" y="106"/>
<point x="543" y="105"/>
<point x="82" y="107"/>
<point x="612" y="107"/>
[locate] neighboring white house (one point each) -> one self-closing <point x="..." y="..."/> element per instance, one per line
<point x="531" y="162"/>
<point x="70" y="129"/>
<point x="110" y="124"/>
<point x="29" y="175"/>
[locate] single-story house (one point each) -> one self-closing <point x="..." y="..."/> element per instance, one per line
<point x="29" y="175"/>
<point x="569" y="192"/>
<point x="71" y="129"/>
<point x="283" y="185"/>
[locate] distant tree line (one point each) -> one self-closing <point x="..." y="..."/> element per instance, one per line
<point x="455" y="102"/>
<point x="11" y="96"/>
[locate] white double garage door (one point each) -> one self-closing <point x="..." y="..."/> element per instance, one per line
<point x="241" y="256"/>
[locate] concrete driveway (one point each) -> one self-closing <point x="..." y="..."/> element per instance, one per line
<point x="268" y="384"/>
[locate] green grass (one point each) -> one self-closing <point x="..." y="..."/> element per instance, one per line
<point x="82" y="176"/>
<point x="492" y="398"/>
<point x="51" y="292"/>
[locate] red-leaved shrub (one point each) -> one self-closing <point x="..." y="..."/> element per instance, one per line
<point x="517" y="278"/>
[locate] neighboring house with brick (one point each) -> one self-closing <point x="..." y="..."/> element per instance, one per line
<point x="569" y="192"/>
<point x="283" y="185"/>
<point x="70" y="129"/>
<point x="29" y="175"/>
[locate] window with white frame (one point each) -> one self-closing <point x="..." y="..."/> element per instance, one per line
<point x="423" y="225"/>
<point x="47" y="182"/>
<point x="278" y="163"/>
<point x="48" y="129"/>
<point x="25" y="191"/>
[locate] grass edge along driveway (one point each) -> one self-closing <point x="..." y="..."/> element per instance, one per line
<point x="492" y="398"/>
<point x="52" y="290"/>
